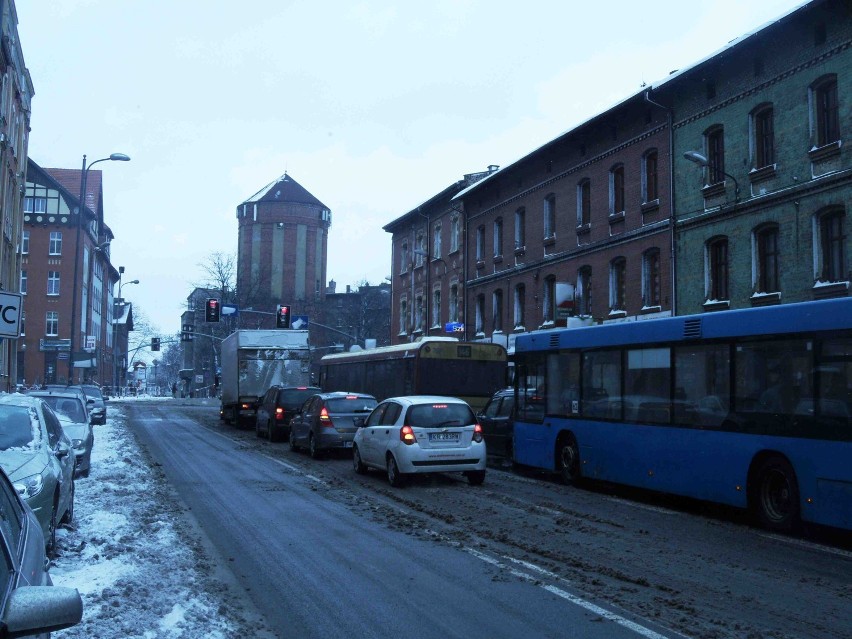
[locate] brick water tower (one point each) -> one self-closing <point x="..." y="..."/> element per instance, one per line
<point x="282" y="250"/>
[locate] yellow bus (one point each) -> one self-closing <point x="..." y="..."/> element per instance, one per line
<point x="472" y="371"/>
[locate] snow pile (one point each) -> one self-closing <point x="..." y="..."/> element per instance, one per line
<point x="131" y="555"/>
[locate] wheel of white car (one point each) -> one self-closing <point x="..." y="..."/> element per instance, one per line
<point x="360" y="468"/>
<point x="395" y="478"/>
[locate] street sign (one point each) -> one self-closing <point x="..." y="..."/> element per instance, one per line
<point x="10" y="314"/>
<point x="454" y="327"/>
<point x="230" y="309"/>
<point x="90" y="342"/>
<point x="299" y="322"/>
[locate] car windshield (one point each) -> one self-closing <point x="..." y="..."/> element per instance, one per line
<point x="440" y="415"/>
<point x="66" y="407"/>
<point x="295" y="397"/>
<point x="93" y="391"/>
<point x="352" y="404"/>
<point x="18" y="427"/>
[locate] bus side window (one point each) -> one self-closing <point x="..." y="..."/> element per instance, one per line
<point x="702" y="383"/>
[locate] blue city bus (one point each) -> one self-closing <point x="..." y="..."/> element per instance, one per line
<point x="749" y="408"/>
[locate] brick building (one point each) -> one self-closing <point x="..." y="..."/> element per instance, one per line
<point x="427" y="264"/>
<point x="580" y="226"/>
<point x="766" y="221"/>
<point x="51" y="238"/>
<point x="16" y="92"/>
<point x="282" y="249"/>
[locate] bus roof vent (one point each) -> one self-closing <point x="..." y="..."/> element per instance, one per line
<point x="692" y="328"/>
<point x="554" y="340"/>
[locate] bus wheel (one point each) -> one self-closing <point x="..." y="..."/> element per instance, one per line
<point x="775" y="495"/>
<point x="568" y="459"/>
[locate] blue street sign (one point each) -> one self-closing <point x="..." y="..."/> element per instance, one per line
<point x="454" y="327"/>
<point x="299" y="322"/>
<point x="229" y="309"/>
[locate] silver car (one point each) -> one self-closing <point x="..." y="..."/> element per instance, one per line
<point x="75" y="421"/>
<point x="37" y="456"/>
<point x="29" y="603"/>
<point x="421" y="434"/>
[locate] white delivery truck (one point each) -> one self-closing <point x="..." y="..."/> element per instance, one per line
<point x="255" y="360"/>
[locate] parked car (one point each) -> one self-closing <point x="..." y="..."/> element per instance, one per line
<point x="68" y="388"/>
<point x="38" y="457"/>
<point x="421" y="434"/>
<point x="276" y="409"/>
<point x="327" y="421"/>
<point x="71" y="411"/>
<point x="29" y="603"/>
<point x="498" y="424"/>
<point x="97" y="410"/>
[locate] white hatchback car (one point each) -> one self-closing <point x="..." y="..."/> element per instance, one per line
<point x="421" y="434"/>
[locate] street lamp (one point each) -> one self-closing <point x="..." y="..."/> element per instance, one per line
<point x="696" y="158"/>
<point x="115" y="157"/>
<point x="119" y="302"/>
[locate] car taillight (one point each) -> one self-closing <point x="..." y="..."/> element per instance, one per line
<point x="406" y="435"/>
<point x="325" y="420"/>
<point x="245" y="406"/>
<point x="279" y="414"/>
<point x="477" y="433"/>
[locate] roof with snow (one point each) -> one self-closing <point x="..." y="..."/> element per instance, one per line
<point x="285" y="189"/>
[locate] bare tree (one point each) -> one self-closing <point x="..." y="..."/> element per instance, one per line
<point x="220" y="272"/>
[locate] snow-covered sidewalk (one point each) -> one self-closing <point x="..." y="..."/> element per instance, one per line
<point x="132" y="555"/>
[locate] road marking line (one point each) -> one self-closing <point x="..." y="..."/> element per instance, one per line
<point x="802" y="543"/>
<point x="578" y="601"/>
<point x="653" y="509"/>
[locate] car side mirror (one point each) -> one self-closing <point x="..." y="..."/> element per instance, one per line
<point x="37" y="609"/>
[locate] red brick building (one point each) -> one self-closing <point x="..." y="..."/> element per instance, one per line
<point x="282" y="249"/>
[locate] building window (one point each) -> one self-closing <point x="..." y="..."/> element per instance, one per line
<point x="497" y="310"/>
<point x="766" y="254"/>
<point x="420" y="251"/>
<point x="35" y="205"/>
<point x="23" y="282"/>
<point x="480" y="243"/>
<point x="617" y="284"/>
<point x="436" y="309"/>
<point x="584" y="203"/>
<point x="418" y="314"/>
<point x="831" y="258"/>
<point x="455" y="233"/>
<point x="454" y="303"/>
<point x="650" y="187"/>
<point x="498" y="237"/>
<point x="55" y="246"/>
<point x="53" y="282"/>
<point x="548" y="310"/>
<point x="763" y="136"/>
<point x="403" y="316"/>
<point x="550" y="216"/>
<point x="51" y="327"/>
<point x="717" y="269"/>
<point x="480" y="315"/>
<point x="616" y="189"/>
<point x="436" y="241"/>
<point x="520" y="306"/>
<point x="714" y="141"/>
<point x="651" y="277"/>
<point x="584" y="291"/>
<point x="826" y="111"/>
<point x="520" y="229"/>
<point x="403" y="257"/>
<point x="25" y="242"/>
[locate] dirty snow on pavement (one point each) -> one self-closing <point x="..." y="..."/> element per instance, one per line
<point x="133" y="556"/>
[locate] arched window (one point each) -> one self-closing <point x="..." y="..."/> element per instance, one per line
<point x="617" y="284"/>
<point x="825" y="110"/>
<point x="584" y="290"/>
<point x="830" y="246"/>
<point x="550" y="216"/>
<point x="765" y="259"/>
<point x="520" y="229"/>
<point x="651" y="277"/>
<point x="520" y="306"/>
<point x="497" y="310"/>
<point x="714" y="143"/>
<point x="762" y="136"/>
<point x="716" y="276"/>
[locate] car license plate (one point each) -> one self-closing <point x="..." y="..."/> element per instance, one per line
<point x="443" y="437"/>
<point x="347" y="444"/>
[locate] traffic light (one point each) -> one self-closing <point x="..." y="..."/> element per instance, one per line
<point x="213" y="310"/>
<point x="155" y="343"/>
<point x="186" y="333"/>
<point x="282" y="316"/>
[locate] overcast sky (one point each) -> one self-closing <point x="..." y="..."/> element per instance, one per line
<point x="373" y="107"/>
